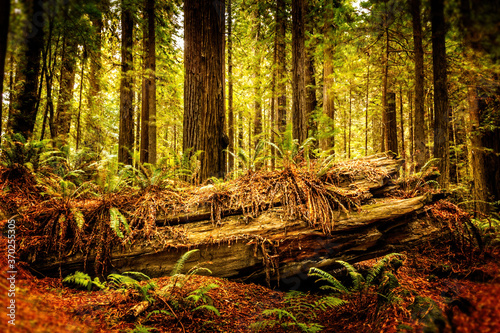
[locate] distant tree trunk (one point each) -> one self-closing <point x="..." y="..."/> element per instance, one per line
<point x="23" y="115"/>
<point x="126" y="132"/>
<point x="204" y="59"/>
<point x="402" y="120"/>
<point x="441" y="106"/>
<point x="64" y="110"/>
<point x="298" y="57"/>
<point x="350" y="121"/>
<point x="419" y="124"/>
<point x="4" y="29"/>
<point x="392" y="124"/>
<point x="310" y="79"/>
<point x="148" y="114"/>
<point x="281" y="63"/>
<point x="367" y="104"/>
<point x="412" y="133"/>
<point x="257" y="124"/>
<point x="78" y="118"/>
<point x="230" y="115"/>
<point x="385" y="84"/>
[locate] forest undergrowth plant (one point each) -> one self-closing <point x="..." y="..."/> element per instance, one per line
<point x="381" y="276"/>
<point x="422" y="181"/>
<point x="298" y="312"/>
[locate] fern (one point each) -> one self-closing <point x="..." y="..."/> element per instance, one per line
<point x="377" y="269"/>
<point x="116" y="220"/>
<point x="356" y="277"/>
<point x="159" y="312"/>
<point x="335" y="284"/>
<point x="179" y="265"/>
<point x="78" y="217"/>
<point x="207" y="307"/>
<point x="428" y="165"/>
<point x="81" y="279"/>
<point x="123" y="280"/>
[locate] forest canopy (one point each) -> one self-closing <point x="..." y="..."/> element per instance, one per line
<point x="213" y="89"/>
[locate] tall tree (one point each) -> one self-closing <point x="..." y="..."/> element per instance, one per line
<point x="148" y="114"/>
<point x="230" y="113"/>
<point x="418" y="56"/>
<point x="126" y="130"/>
<point x="4" y="29"/>
<point x="309" y="75"/>
<point x="204" y="29"/>
<point x="64" y="110"/>
<point x="479" y="27"/>
<point x="281" y="63"/>
<point x="24" y="112"/>
<point x="441" y="106"/>
<point x="328" y="96"/>
<point x="298" y="57"/>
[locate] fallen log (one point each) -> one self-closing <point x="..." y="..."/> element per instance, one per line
<point x="261" y="227"/>
<point x="271" y="247"/>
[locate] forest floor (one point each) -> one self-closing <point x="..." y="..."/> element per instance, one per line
<point x="456" y="293"/>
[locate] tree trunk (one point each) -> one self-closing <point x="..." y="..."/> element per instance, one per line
<point x="392" y="124"/>
<point x="150" y="83"/>
<point x="328" y="99"/>
<point x="367" y="104"/>
<point x="204" y="84"/>
<point x="4" y="29"/>
<point x="126" y="133"/>
<point x="402" y="120"/>
<point x="441" y="106"/>
<point x="64" y="110"/>
<point x="298" y="71"/>
<point x="281" y="63"/>
<point x="257" y="124"/>
<point x="310" y="79"/>
<point x="419" y="123"/>
<point x="230" y="111"/>
<point x="385" y="78"/>
<point x="24" y="112"/>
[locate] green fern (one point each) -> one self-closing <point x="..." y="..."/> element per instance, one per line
<point x="127" y="282"/>
<point x="428" y="165"/>
<point x="179" y="265"/>
<point x="377" y="270"/>
<point x="207" y="307"/>
<point x="159" y="312"/>
<point x="81" y="279"/>
<point x="78" y="217"/>
<point x="356" y="277"/>
<point x="335" y="284"/>
<point x="116" y="220"/>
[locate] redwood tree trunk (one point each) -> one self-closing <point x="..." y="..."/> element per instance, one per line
<point x="204" y="84"/>
<point x="230" y="114"/>
<point x="281" y="63"/>
<point x="64" y="110"/>
<point x="24" y="112"/>
<point x="391" y="129"/>
<point x="419" y="123"/>
<point x="441" y="107"/>
<point x="4" y="29"/>
<point x="126" y="135"/>
<point x="298" y="82"/>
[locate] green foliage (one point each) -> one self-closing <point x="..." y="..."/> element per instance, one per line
<point x="380" y="275"/>
<point x="15" y="150"/>
<point x="297" y="312"/>
<point x="80" y="279"/>
<point x="116" y="221"/>
<point x="489" y="228"/>
<point x="200" y="295"/>
<point x="127" y="282"/>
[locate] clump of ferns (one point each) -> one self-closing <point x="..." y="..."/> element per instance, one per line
<point x="381" y="276"/>
<point x="298" y="312"/>
<point x="422" y="181"/>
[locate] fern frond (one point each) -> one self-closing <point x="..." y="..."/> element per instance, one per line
<point x="116" y="219"/>
<point x="83" y="280"/>
<point x="377" y="269"/>
<point x="356" y="277"/>
<point x="428" y="164"/>
<point x="179" y="265"/>
<point x="329" y="302"/>
<point x="160" y="312"/>
<point x="78" y="216"/>
<point x="207" y="307"/>
<point x="324" y="276"/>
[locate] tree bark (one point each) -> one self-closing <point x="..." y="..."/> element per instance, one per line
<point x="281" y="63"/>
<point x="257" y="84"/>
<point x="126" y="130"/>
<point x="23" y="115"/>
<point x="204" y="84"/>
<point x="419" y="123"/>
<point x="392" y="125"/>
<point x="4" y="29"/>
<point x="230" y="114"/>
<point x="298" y="71"/>
<point x="148" y="119"/>
<point x="64" y="110"/>
<point x="310" y="79"/>
<point x="441" y="105"/>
